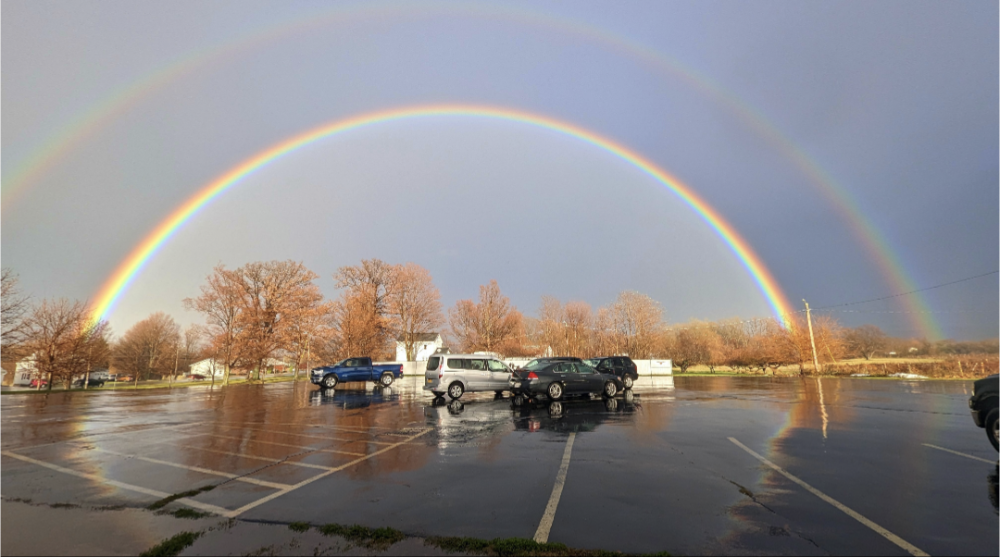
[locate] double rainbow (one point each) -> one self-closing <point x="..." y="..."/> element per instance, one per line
<point x="129" y="269"/>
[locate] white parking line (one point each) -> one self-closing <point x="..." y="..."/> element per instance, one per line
<point x="264" y="458"/>
<point x="278" y="444"/>
<point x="339" y="439"/>
<point x="959" y="454"/>
<point x="910" y="548"/>
<point x="234" y="477"/>
<point x="542" y="534"/>
<point x="122" y="485"/>
<point x="262" y="500"/>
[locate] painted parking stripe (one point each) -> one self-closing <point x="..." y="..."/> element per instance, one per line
<point x="264" y="458"/>
<point x="910" y="548"/>
<point x="338" y="439"/>
<point x="542" y="534"/>
<point x="959" y="454"/>
<point x="280" y="444"/>
<point x="122" y="485"/>
<point x="198" y="469"/>
<point x="262" y="500"/>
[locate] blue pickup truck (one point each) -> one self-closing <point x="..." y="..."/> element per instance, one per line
<point x="355" y="369"/>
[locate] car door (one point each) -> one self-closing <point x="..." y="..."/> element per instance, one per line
<point x="477" y="374"/>
<point x="569" y="377"/>
<point x="619" y="366"/>
<point x="499" y="375"/>
<point x="353" y="371"/>
<point x="590" y="380"/>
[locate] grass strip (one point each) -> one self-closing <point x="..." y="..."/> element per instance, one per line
<point x="171" y="498"/>
<point x="372" y="538"/>
<point x="504" y="547"/>
<point x="299" y="526"/>
<point x="188" y="513"/>
<point x="172" y="546"/>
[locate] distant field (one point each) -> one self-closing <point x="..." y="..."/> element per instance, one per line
<point x="967" y="366"/>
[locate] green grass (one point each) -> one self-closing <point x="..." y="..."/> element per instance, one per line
<point x="188" y="513"/>
<point x="172" y="546"/>
<point x="299" y="526"/>
<point x="373" y="538"/>
<point x="513" y="546"/>
<point x="171" y="498"/>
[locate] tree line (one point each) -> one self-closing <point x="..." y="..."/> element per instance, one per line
<point x="266" y="311"/>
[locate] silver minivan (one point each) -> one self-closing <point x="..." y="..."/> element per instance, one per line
<point x="457" y="374"/>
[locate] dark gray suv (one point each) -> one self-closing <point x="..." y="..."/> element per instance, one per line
<point x="621" y="366"/>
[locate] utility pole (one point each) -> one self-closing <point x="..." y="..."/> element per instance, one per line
<point x="86" y="378"/>
<point x="812" y="341"/>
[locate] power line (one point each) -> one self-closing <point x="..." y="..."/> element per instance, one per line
<point x="908" y="293"/>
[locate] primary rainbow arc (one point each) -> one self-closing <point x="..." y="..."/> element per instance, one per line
<point x="130" y="267"/>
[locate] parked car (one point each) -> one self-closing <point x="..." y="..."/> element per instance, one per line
<point x="621" y="366"/>
<point x="457" y="374"/>
<point x="983" y="405"/>
<point x="92" y="382"/>
<point x="558" y="377"/>
<point x="355" y="369"/>
<point x="36" y="383"/>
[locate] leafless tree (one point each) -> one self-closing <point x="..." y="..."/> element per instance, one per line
<point x="12" y="312"/>
<point x="371" y="285"/>
<point x="414" y="305"/>
<point x="635" y="320"/>
<point x="865" y="340"/>
<point x="493" y="325"/>
<point x="355" y="333"/>
<point x="566" y="329"/>
<point x="221" y="302"/>
<point x="63" y="340"/>
<point x="149" y="348"/>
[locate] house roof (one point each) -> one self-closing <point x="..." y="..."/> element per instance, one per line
<point x="421" y="337"/>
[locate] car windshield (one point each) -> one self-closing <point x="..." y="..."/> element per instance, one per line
<point x="535" y="365"/>
<point x="592" y="362"/>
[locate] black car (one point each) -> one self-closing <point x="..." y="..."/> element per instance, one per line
<point x="621" y="366"/>
<point x="93" y="382"/>
<point x="558" y="377"/>
<point x="984" y="405"/>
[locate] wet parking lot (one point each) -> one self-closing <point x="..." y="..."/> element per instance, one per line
<point x="689" y="465"/>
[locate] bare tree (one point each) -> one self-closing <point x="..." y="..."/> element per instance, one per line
<point x="354" y="331"/>
<point x="371" y="285"/>
<point x="275" y="298"/>
<point x="414" y="305"/>
<point x="493" y="324"/>
<point x="636" y="320"/>
<point x="695" y="344"/>
<point x="149" y="348"/>
<point x="62" y="339"/>
<point x="865" y="340"/>
<point x="12" y="312"/>
<point x="566" y="329"/>
<point x="221" y="301"/>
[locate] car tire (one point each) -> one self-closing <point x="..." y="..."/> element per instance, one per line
<point x="455" y="390"/>
<point x="386" y="379"/>
<point x="610" y="389"/>
<point x="991" y="428"/>
<point x="627" y="380"/>
<point x="555" y="390"/>
<point x="330" y="381"/>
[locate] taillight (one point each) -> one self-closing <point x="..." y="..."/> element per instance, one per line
<point x="531" y="376"/>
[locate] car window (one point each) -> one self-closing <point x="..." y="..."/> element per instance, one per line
<point x="497" y="366"/>
<point x="584" y="368"/>
<point x="351" y="363"/>
<point x="478" y="365"/>
<point x="433" y="362"/>
<point x="565" y="367"/>
<point x="535" y="365"/>
<point x="456" y="363"/>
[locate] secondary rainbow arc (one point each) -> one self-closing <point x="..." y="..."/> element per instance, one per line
<point x="126" y="272"/>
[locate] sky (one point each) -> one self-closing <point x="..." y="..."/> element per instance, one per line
<point x="113" y="114"/>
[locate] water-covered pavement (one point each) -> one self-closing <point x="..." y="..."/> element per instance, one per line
<point x="689" y="465"/>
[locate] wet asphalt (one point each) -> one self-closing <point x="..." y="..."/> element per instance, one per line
<point x="871" y="467"/>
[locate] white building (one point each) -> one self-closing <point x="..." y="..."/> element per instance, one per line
<point x="424" y="345"/>
<point x="25" y="372"/>
<point x="207" y="367"/>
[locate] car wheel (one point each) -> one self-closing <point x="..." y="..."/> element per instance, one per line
<point x="555" y="390"/>
<point x="455" y="390"/>
<point x="330" y="381"/>
<point x="628" y="381"/>
<point x="610" y="389"/>
<point x="386" y="379"/>
<point x="991" y="428"/>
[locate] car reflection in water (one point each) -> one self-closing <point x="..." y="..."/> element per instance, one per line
<point x="475" y="420"/>
<point x="352" y="399"/>
<point x="573" y="416"/>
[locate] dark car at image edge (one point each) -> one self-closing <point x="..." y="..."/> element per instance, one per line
<point x="983" y="405"/>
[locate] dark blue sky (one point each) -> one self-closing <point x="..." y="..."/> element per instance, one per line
<point x="897" y="102"/>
